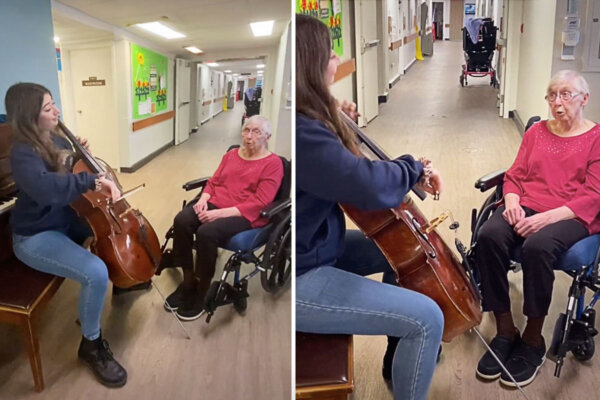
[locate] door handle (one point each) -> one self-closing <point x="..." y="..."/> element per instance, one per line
<point x="372" y="43"/>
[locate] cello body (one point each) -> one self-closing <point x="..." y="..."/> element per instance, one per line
<point x="421" y="259"/>
<point x="123" y="237"/>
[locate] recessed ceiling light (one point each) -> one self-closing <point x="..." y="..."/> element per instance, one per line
<point x="227" y="71"/>
<point x="264" y="28"/>
<point x="56" y="39"/>
<point x="193" y="49"/>
<point x="158" y="28"/>
<point x="260" y="65"/>
<point x="212" y="64"/>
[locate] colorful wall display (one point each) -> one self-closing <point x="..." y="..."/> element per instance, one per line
<point x="330" y="13"/>
<point x="149" y="82"/>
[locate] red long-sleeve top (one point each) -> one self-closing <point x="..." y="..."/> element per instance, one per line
<point x="248" y="185"/>
<point x="551" y="171"/>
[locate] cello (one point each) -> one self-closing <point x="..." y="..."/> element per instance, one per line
<point x="123" y="237"/>
<point x="420" y="258"/>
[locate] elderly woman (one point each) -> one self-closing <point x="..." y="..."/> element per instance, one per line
<point x="245" y="182"/>
<point x="551" y="201"/>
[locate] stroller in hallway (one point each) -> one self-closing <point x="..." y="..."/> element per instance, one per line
<point x="479" y="42"/>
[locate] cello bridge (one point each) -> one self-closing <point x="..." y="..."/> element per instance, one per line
<point x="434" y="223"/>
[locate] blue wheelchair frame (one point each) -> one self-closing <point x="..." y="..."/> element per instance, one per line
<point x="274" y="263"/>
<point x="574" y="329"/>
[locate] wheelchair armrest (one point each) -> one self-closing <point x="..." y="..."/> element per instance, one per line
<point x="275" y="208"/>
<point x="196" y="183"/>
<point x="490" y="180"/>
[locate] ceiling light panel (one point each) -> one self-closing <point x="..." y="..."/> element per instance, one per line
<point x="264" y="28"/>
<point x="161" y="29"/>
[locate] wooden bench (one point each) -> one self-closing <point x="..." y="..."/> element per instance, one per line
<point x="324" y="366"/>
<point x="23" y="294"/>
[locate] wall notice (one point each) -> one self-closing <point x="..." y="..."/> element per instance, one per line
<point x="149" y="82"/>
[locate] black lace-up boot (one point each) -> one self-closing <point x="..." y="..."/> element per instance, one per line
<point x="97" y="355"/>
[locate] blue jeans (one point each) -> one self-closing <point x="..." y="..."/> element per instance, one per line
<point x="336" y="299"/>
<point x="61" y="254"/>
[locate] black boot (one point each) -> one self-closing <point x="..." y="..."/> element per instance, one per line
<point x="388" y="357"/>
<point x="97" y="355"/>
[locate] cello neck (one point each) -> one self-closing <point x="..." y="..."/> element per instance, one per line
<point x="374" y="147"/>
<point x="85" y="155"/>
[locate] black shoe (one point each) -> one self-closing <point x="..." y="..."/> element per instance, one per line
<point x="191" y="309"/>
<point x="523" y="364"/>
<point x="175" y="299"/>
<point x="388" y="357"/>
<point x="97" y="355"/>
<point x="140" y="286"/>
<point x="488" y="367"/>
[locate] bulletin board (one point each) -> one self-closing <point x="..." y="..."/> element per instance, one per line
<point x="148" y="82"/>
<point x="330" y="13"/>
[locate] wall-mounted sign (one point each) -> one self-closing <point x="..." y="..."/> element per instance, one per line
<point x="93" y="81"/>
<point x="148" y="81"/>
<point x="330" y="13"/>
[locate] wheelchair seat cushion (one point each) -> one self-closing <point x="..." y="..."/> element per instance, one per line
<point x="249" y="240"/>
<point x="580" y="254"/>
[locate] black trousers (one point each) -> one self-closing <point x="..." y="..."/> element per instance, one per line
<point x="539" y="251"/>
<point x="208" y="237"/>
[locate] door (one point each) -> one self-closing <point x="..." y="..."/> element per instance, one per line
<point x="457" y="10"/>
<point x="368" y="76"/>
<point x="182" y="114"/>
<point x="93" y="101"/>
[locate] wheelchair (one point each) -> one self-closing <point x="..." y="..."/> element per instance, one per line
<point x="574" y="329"/>
<point x="273" y="262"/>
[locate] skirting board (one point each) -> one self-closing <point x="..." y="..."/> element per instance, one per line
<point x="145" y="160"/>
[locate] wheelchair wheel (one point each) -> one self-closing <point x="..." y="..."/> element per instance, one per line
<point x="584" y="351"/>
<point x="279" y="264"/>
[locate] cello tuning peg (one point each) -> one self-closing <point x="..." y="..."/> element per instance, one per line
<point x="454" y="226"/>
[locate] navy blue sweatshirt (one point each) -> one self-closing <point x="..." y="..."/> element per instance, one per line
<point x="43" y="195"/>
<point x="327" y="174"/>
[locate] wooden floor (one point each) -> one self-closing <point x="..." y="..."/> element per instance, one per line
<point x="233" y="357"/>
<point x="429" y="114"/>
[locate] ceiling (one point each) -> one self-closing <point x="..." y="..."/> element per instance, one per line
<point x="215" y="26"/>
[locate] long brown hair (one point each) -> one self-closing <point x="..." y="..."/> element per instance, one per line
<point x="23" y="103"/>
<point x="313" y="99"/>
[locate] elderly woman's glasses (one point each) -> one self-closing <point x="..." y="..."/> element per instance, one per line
<point x="253" y="131"/>
<point x="564" y="96"/>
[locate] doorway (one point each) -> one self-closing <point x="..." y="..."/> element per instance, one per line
<point x="438" y="20"/>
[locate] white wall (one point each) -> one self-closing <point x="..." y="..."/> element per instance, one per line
<point x="592" y="110"/>
<point x="393" y="57"/>
<point x="535" y="58"/>
<point x="282" y="128"/>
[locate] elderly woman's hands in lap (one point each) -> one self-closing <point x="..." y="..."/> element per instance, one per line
<point x="213" y="215"/>
<point x="513" y="212"/>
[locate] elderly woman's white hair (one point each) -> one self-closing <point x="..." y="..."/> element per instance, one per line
<point x="264" y="123"/>
<point x="573" y="77"/>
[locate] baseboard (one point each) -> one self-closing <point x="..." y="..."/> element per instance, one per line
<point x="410" y="64"/>
<point x="514" y="115"/>
<point x="205" y="121"/>
<point x="145" y="160"/>
<point x="394" y="81"/>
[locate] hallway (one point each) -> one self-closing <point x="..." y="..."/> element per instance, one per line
<point x="235" y="356"/>
<point x="429" y="114"/>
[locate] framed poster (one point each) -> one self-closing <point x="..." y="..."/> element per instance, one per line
<point x="330" y="13"/>
<point x="148" y="82"/>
